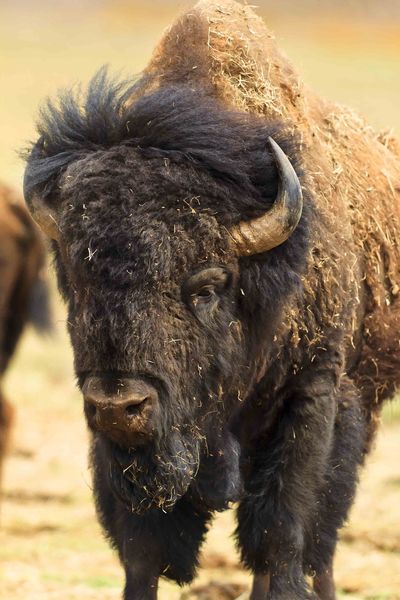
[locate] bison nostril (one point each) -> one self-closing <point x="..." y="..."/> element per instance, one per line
<point x="123" y="409"/>
<point x="133" y="409"/>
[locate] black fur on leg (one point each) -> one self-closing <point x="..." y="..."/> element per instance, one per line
<point x="289" y="584"/>
<point x="283" y="471"/>
<point x="260" y="587"/>
<point x="324" y="585"/>
<point x="337" y="494"/>
<point x="151" y="545"/>
<point x="141" y="581"/>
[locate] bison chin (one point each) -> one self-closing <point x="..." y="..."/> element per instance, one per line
<point x="153" y="477"/>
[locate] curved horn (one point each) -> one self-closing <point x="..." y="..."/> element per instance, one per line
<point x="277" y="224"/>
<point x="44" y="217"/>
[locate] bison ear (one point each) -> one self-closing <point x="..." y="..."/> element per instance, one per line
<point x="44" y="216"/>
<point x="277" y="224"/>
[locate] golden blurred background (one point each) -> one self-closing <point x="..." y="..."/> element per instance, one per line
<point x="50" y="544"/>
<point x="347" y="50"/>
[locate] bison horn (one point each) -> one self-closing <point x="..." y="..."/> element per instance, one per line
<point x="44" y="217"/>
<point x="277" y="224"/>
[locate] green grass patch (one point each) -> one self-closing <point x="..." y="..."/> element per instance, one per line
<point x="93" y="582"/>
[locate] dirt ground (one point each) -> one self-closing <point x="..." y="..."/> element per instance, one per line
<point x="51" y="547"/>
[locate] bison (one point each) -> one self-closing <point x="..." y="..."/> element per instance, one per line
<point x="227" y="244"/>
<point x="23" y="289"/>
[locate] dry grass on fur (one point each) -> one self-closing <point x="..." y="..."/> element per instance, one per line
<point x="352" y="171"/>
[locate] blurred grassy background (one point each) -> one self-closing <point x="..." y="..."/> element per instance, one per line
<point x="348" y="51"/>
<point x="50" y="543"/>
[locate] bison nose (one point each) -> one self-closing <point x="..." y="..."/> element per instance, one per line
<point x="122" y="408"/>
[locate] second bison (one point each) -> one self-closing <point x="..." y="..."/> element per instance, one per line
<point x="23" y="289"/>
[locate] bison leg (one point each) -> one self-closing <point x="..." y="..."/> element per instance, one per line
<point x="284" y="468"/>
<point x="161" y="544"/>
<point x="170" y="544"/>
<point x="336" y="496"/>
<point x="151" y="545"/>
<point x="324" y="585"/>
<point x="260" y="587"/>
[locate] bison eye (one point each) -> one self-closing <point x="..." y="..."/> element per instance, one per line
<point x="204" y="294"/>
<point x="204" y="288"/>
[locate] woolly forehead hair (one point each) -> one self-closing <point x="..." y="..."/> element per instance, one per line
<point x="172" y="121"/>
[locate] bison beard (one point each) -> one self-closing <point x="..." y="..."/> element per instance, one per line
<point x="154" y="476"/>
<point x="158" y="475"/>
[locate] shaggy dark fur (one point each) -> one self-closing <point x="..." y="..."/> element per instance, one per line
<point x="144" y="195"/>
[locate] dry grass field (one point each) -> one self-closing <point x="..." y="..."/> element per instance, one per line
<point x="51" y="547"/>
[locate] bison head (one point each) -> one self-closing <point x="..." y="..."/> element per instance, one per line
<point x="167" y="215"/>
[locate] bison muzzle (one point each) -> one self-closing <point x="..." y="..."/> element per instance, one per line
<point x="121" y="407"/>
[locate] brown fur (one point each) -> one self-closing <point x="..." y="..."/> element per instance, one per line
<point x="294" y="396"/>
<point x="353" y="172"/>
<point x="21" y="260"/>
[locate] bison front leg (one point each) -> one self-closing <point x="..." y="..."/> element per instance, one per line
<point x="337" y="494"/>
<point x="160" y="544"/>
<point x="152" y="545"/>
<point x="141" y="579"/>
<point x="283" y="470"/>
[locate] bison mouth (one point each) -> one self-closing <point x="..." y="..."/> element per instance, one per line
<point x="151" y="477"/>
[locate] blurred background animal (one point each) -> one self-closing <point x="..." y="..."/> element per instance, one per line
<point x="23" y="290"/>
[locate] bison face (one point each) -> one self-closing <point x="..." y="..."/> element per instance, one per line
<point x="151" y="205"/>
<point x="151" y="283"/>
